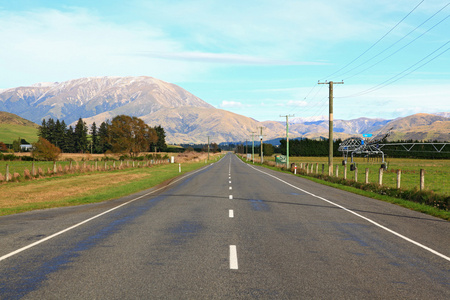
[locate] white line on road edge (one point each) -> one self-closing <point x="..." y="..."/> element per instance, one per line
<point x="94" y="217"/>
<point x="231" y="213"/>
<point x="361" y="216"/>
<point x="233" y="258"/>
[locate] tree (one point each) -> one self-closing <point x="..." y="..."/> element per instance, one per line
<point x="94" y="139"/>
<point x="81" y="132"/>
<point x="103" y="138"/>
<point x="268" y="149"/>
<point x="130" y="135"/>
<point x="44" y="150"/>
<point x="3" y="147"/>
<point x="161" y="142"/>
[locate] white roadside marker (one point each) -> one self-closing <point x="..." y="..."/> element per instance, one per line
<point x="231" y="213"/>
<point x="233" y="257"/>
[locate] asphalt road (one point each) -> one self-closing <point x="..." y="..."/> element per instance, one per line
<point x="228" y="231"/>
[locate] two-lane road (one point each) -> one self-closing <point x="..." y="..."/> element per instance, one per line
<point x="228" y="230"/>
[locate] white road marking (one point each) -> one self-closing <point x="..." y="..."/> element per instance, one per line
<point x="229" y="181"/>
<point x="94" y="217"/>
<point x="233" y="258"/>
<point x="361" y="216"/>
<point x="230" y="197"/>
<point x="231" y="213"/>
<point x="230" y="188"/>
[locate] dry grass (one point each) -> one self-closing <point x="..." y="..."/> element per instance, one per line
<point x="49" y="190"/>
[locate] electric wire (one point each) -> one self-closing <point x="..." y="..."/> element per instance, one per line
<point x="398" y="50"/>
<point x="399" y="75"/>
<point x="374" y="44"/>
<point x="399" y="40"/>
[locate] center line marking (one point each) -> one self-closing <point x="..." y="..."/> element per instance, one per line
<point x="230" y="197"/>
<point x="229" y="181"/>
<point x="231" y="188"/>
<point x="231" y="213"/>
<point x="233" y="257"/>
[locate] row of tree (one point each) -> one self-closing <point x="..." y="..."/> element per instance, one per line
<point x="123" y="134"/>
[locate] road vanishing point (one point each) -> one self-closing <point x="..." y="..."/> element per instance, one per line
<point x="229" y="230"/>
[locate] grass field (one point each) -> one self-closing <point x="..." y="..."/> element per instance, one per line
<point x="76" y="189"/>
<point x="437" y="172"/>
<point x="10" y="133"/>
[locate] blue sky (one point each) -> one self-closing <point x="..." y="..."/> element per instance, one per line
<point x="261" y="59"/>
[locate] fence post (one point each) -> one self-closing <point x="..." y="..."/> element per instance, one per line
<point x="307" y="168"/>
<point x="380" y="176"/>
<point x="422" y="179"/>
<point x="323" y="168"/>
<point x="317" y="168"/>
<point x="337" y="170"/>
<point x="367" y="176"/>
<point x="106" y="167"/>
<point x="54" y="167"/>
<point x="33" y="170"/>
<point x="70" y="166"/>
<point x="96" y="166"/>
<point x="356" y="174"/>
<point x="345" y="172"/>
<point x="7" y="172"/>
<point x="399" y="176"/>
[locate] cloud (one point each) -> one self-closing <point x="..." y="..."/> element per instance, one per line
<point x="233" y="104"/>
<point x="226" y="58"/>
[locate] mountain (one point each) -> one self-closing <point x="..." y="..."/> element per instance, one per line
<point x="194" y="124"/>
<point x="185" y="117"/>
<point x="89" y="97"/>
<point x="421" y="127"/>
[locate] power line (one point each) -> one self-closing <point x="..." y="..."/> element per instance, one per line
<point x="374" y="44"/>
<point x="394" y="78"/>
<point x="399" y="40"/>
<point x="398" y="50"/>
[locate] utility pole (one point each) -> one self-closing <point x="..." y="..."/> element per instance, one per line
<point x="261" y="139"/>
<point x="287" y="139"/>
<point x="253" y="147"/>
<point x="330" y="118"/>
<point x="208" y="147"/>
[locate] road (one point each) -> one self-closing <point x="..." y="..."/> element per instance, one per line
<point x="227" y="231"/>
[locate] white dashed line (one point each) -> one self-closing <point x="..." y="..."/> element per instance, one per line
<point x="230" y="197"/>
<point x="230" y="188"/>
<point x="233" y="258"/>
<point x="231" y="213"/>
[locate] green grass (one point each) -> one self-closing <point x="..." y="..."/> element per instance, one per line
<point x="437" y="177"/>
<point x="10" y="133"/>
<point x="149" y="177"/>
<point x="430" y="210"/>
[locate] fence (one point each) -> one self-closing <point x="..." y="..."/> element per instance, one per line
<point x="32" y="170"/>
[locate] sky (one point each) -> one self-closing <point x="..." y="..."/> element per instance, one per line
<point x="258" y="58"/>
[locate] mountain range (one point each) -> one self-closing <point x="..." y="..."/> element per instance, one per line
<point x="187" y="118"/>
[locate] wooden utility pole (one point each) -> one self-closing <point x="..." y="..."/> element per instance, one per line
<point x="261" y="139"/>
<point x="330" y="118"/>
<point x="287" y="140"/>
<point x="208" y="147"/>
<point x="253" y="147"/>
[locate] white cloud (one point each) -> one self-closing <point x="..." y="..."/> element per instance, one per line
<point x="51" y="45"/>
<point x="233" y="104"/>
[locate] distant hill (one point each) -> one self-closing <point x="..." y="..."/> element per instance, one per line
<point x="185" y="117"/>
<point x="421" y="127"/>
<point x="13" y="127"/>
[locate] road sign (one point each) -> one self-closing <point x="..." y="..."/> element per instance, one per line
<point x="367" y="135"/>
